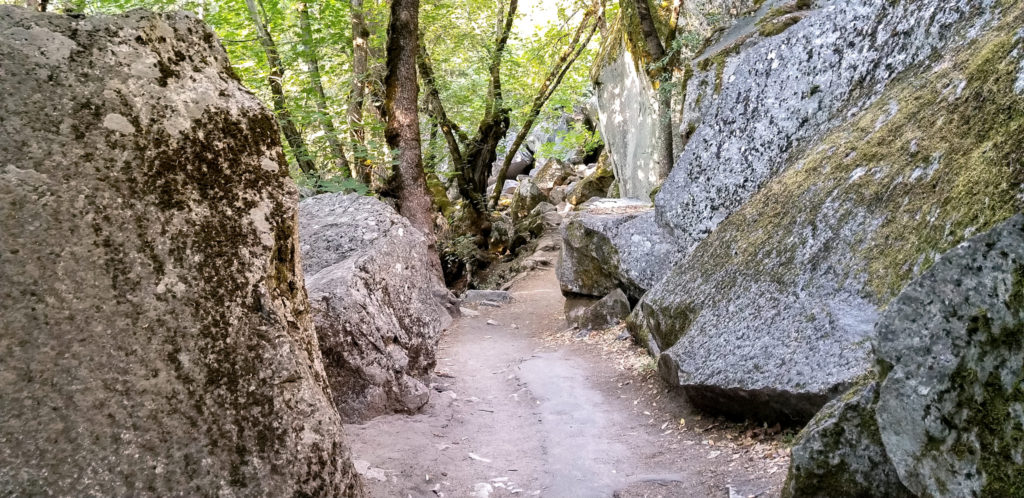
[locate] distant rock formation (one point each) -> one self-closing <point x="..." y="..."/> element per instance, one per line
<point x="156" y="335"/>
<point x="627" y="101"/>
<point x="378" y="306"/>
<point x="829" y="160"/>
<point x="948" y="417"/>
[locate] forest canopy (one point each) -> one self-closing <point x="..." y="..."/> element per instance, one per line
<point x="329" y="102"/>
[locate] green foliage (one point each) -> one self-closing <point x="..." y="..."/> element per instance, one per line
<point x="577" y="138"/>
<point x="461" y="249"/>
<point x="458" y="33"/>
<point x="460" y="37"/>
<point x="347" y="185"/>
<point x="331" y="184"/>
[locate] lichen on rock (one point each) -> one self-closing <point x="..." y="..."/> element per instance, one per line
<point x="789" y="285"/>
<point x="840" y="451"/>
<point x="157" y="338"/>
<point x="951" y="408"/>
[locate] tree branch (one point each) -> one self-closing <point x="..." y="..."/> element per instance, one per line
<point x="436" y="108"/>
<point x="548" y="88"/>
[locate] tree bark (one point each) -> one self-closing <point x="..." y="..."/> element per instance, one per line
<point x="402" y="128"/>
<point x="357" y="99"/>
<point x="504" y="29"/>
<point x="284" y="118"/>
<point x="659" y="71"/>
<point x="547" y="89"/>
<point x="436" y="108"/>
<point x="313" y="68"/>
<point x="652" y="40"/>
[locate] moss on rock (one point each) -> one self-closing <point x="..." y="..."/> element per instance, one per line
<point x="840" y="452"/>
<point x="934" y="160"/>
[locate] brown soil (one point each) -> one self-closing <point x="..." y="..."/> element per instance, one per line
<point x="525" y="408"/>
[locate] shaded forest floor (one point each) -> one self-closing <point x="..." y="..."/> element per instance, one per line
<point x="523" y="407"/>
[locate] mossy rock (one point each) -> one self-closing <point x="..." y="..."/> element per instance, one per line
<point x="594" y="185"/>
<point x="156" y="337"/>
<point x="951" y="409"/>
<point x="840" y="452"/>
<point x="814" y="256"/>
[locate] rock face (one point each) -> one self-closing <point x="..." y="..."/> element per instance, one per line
<point x="793" y="92"/>
<point x="840" y="452"/>
<point x="628" y="122"/>
<point x="606" y="312"/>
<point x="947" y="420"/>
<point x="157" y="338"/>
<point x="627" y="103"/>
<point x="378" y="307"/>
<point x="793" y="225"/>
<point x="951" y="409"/>
<point x="612" y="243"/>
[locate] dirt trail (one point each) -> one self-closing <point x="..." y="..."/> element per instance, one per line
<point x="523" y="408"/>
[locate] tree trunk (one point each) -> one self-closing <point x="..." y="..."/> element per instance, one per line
<point x="357" y="99"/>
<point x="504" y="28"/>
<point x="481" y="152"/>
<point x="647" y="27"/>
<point x="659" y="71"/>
<point x="547" y="89"/>
<point x="473" y="162"/>
<point x="291" y="132"/>
<point x="313" y="68"/>
<point x="402" y="128"/>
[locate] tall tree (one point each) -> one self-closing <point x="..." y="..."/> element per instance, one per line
<point x="313" y="70"/>
<point x="581" y="38"/>
<point x="275" y="80"/>
<point x="402" y="126"/>
<point x="357" y="98"/>
<point x="659" y="71"/>
<point x="472" y="157"/>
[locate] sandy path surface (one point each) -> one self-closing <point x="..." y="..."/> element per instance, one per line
<point x="522" y="407"/>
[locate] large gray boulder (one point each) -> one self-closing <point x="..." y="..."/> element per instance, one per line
<point x="949" y="416"/>
<point x="554" y="173"/>
<point x="754" y="100"/>
<point x="840" y="452"/>
<point x="772" y="314"/>
<point x="627" y="102"/>
<point x="378" y="306"/>
<point x="606" y="312"/>
<point x="613" y="243"/>
<point x="595" y="184"/>
<point x="951" y="409"/>
<point x="526" y="197"/>
<point x="156" y="335"/>
<point x="629" y="118"/>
